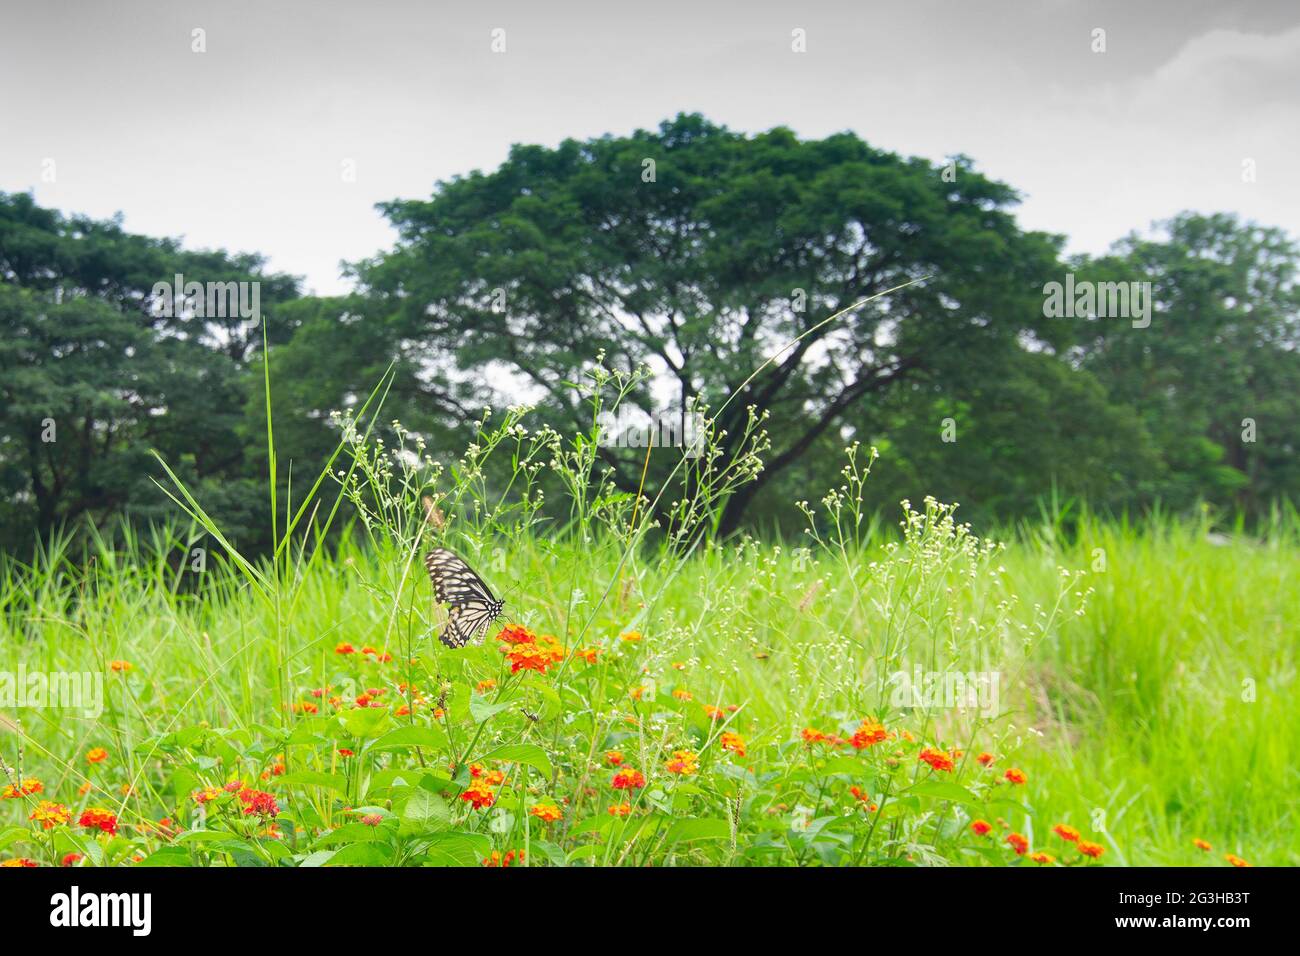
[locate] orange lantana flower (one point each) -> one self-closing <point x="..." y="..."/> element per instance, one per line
<point x="1066" y="832"/>
<point x="936" y="759"/>
<point x="628" y="779"/>
<point x="868" y="734"/>
<point x="26" y="788"/>
<point x="613" y="757"/>
<point x="863" y="797"/>
<point x="96" y="755"/>
<point x="96" y="818"/>
<point x="546" y="812"/>
<point x="493" y="778"/>
<point x="479" y="794"/>
<point x="1202" y="845"/>
<point x="539" y="655"/>
<point x="1016" y="775"/>
<point x="733" y="742"/>
<point x="683" y="762"/>
<point x="1093" y="850"/>
<point x="980" y="827"/>
<point x="1018" y="843"/>
<point x="258" y="803"/>
<point x="516" y="634"/>
<point x="49" y="814"/>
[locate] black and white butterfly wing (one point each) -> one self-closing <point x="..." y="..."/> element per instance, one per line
<point x="471" y="607"/>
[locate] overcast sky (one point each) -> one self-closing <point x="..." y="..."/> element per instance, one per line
<point x="242" y="146"/>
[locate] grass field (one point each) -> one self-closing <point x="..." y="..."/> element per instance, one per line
<point x="667" y="703"/>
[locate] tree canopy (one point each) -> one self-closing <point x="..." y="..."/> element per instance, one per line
<point x="716" y="259"/>
<point x="705" y="251"/>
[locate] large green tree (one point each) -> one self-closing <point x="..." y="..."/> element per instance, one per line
<point x="94" y="374"/>
<point x="704" y="251"/>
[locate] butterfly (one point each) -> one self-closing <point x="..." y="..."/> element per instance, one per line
<point x="471" y="606"/>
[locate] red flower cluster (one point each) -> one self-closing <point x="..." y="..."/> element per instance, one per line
<point x="516" y="634"/>
<point x="96" y="818"/>
<point x="50" y="814"/>
<point x="25" y="789"/>
<point x="527" y="651"/>
<point x="258" y="802"/>
<point x="546" y="812"/>
<point x="733" y="742"/>
<point x="868" y="734"/>
<point x="481" y="792"/>
<point x="1066" y="832"/>
<point x="628" y="779"/>
<point x="937" y="759"/>
<point x="684" y="762"/>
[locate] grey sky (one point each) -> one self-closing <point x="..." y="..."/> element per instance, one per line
<point x="241" y="147"/>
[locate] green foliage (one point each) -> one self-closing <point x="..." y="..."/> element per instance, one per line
<point x="736" y="245"/>
<point x="311" y="718"/>
<point x="716" y="283"/>
<point x="92" y="379"/>
<point x="1223" y="348"/>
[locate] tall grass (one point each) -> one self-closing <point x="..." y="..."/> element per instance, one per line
<point x="1148" y="672"/>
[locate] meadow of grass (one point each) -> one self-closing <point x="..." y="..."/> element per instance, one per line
<point x="653" y="697"/>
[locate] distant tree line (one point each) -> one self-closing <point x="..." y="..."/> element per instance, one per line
<point x="1169" y="376"/>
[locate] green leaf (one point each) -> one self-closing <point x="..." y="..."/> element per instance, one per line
<point x="405" y="738"/>
<point x="360" y="854"/>
<point x="585" y="851"/>
<point x="355" y="832"/>
<point x="458" y="849"/>
<point x="424" y="811"/>
<point x="843" y="765"/>
<point x="945" y="790"/>
<point x="11" y="835"/>
<point x="699" y="829"/>
<point x="481" y="709"/>
<point x="168" y="856"/>
<point x="530" y="754"/>
<point x="549" y="850"/>
<point x="365" y="721"/>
